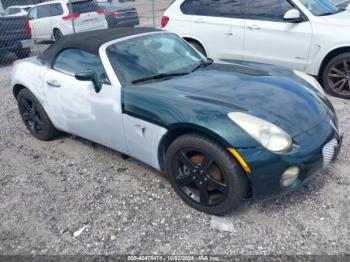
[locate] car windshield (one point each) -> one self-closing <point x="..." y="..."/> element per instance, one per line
<point x="159" y="54"/>
<point x="321" y="7"/>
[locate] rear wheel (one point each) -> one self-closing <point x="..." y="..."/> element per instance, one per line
<point x="197" y="46"/>
<point x="34" y="116"/>
<point x="204" y="175"/>
<point x="57" y="34"/>
<point x="336" y="76"/>
<point x="23" y="53"/>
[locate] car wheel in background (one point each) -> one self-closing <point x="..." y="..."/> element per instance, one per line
<point x="205" y="175"/>
<point x="197" y="46"/>
<point x="23" y="53"/>
<point x="336" y="76"/>
<point x="34" y="116"/>
<point x="57" y="34"/>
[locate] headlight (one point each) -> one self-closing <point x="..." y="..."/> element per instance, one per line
<point x="267" y="134"/>
<point x="310" y="79"/>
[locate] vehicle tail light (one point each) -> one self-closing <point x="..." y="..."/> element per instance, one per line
<point x="71" y="16"/>
<point x="116" y="13"/>
<point x="27" y="26"/>
<point x="100" y="11"/>
<point x="164" y="21"/>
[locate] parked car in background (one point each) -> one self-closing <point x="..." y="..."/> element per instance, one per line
<point x="14" y="36"/>
<point x="118" y="15"/>
<point x="217" y="130"/>
<point x="342" y="3"/>
<point x="51" y="20"/>
<point x="307" y="35"/>
<point x="17" y="10"/>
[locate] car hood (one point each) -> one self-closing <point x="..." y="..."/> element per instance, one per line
<point x="341" y="19"/>
<point x="280" y="100"/>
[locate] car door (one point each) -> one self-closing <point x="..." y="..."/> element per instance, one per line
<point x="218" y="24"/>
<point x="76" y="107"/>
<point x="270" y="39"/>
<point x="40" y="22"/>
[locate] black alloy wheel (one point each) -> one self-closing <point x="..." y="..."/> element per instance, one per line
<point x="336" y="77"/>
<point x="57" y="34"/>
<point x="34" y="116"/>
<point x="204" y="175"/>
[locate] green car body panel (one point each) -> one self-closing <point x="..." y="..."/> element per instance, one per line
<point x="201" y="101"/>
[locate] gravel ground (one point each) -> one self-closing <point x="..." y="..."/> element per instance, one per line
<point x="50" y="190"/>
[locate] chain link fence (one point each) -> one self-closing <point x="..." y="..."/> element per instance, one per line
<point x="27" y="27"/>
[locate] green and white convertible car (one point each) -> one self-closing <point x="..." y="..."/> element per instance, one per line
<point x="217" y="130"/>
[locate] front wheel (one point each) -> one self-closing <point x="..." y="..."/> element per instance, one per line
<point x="34" y="116"/>
<point x="336" y="76"/>
<point x="205" y="175"/>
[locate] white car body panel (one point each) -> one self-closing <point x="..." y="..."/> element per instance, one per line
<point x="74" y="106"/>
<point x="301" y="46"/>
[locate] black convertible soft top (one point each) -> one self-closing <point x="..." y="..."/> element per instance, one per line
<point x="89" y="41"/>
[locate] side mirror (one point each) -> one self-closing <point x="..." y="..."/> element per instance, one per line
<point x="89" y="76"/>
<point x="293" y="16"/>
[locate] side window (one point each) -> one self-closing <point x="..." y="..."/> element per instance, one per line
<point x="33" y="13"/>
<point x="14" y="11"/>
<point x="56" y="9"/>
<point x="72" y="61"/>
<point x="220" y="8"/>
<point x="190" y="7"/>
<point x="270" y="10"/>
<point x="43" y="11"/>
<point x="216" y="8"/>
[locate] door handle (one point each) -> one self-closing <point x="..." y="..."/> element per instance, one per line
<point x="199" y="21"/>
<point x="254" y="27"/>
<point x="53" y="83"/>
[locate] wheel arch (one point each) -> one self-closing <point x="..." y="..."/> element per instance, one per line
<point x="17" y="88"/>
<point x="330" y="55"/>
<point x="178" y="130"/>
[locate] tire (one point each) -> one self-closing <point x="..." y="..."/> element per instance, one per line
<point x="197" y="46"/>
<point x="336" y="76"/>
<point x="23" y="53"/>
<point x="215" y="188"/>
<point x="34" y="116"/>
<point x="57" y="34"/>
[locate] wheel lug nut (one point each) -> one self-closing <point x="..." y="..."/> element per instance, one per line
<point x="193" y="177"/>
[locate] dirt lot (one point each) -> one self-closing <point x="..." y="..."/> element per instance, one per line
<point x="50" y="190"/>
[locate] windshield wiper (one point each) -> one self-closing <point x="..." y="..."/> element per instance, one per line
<point x="203" y="64"/>
<point x="159" y="76"/>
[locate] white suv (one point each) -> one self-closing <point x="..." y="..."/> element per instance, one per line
<point x="51" y="20"/>
<point x="308" y="35"/>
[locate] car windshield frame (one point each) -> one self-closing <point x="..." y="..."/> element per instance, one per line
<point x="155" y="76"/>
<point x="321" y="7"/>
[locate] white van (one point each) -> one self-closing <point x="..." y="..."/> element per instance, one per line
<point x="51" y="20"/>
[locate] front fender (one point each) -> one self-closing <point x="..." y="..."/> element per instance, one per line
<point x="29" y="73"/>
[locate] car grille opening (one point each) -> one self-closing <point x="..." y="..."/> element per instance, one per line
<point x="329" y="151"/>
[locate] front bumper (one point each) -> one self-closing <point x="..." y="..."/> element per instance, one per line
<point x="307" y="154"/>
